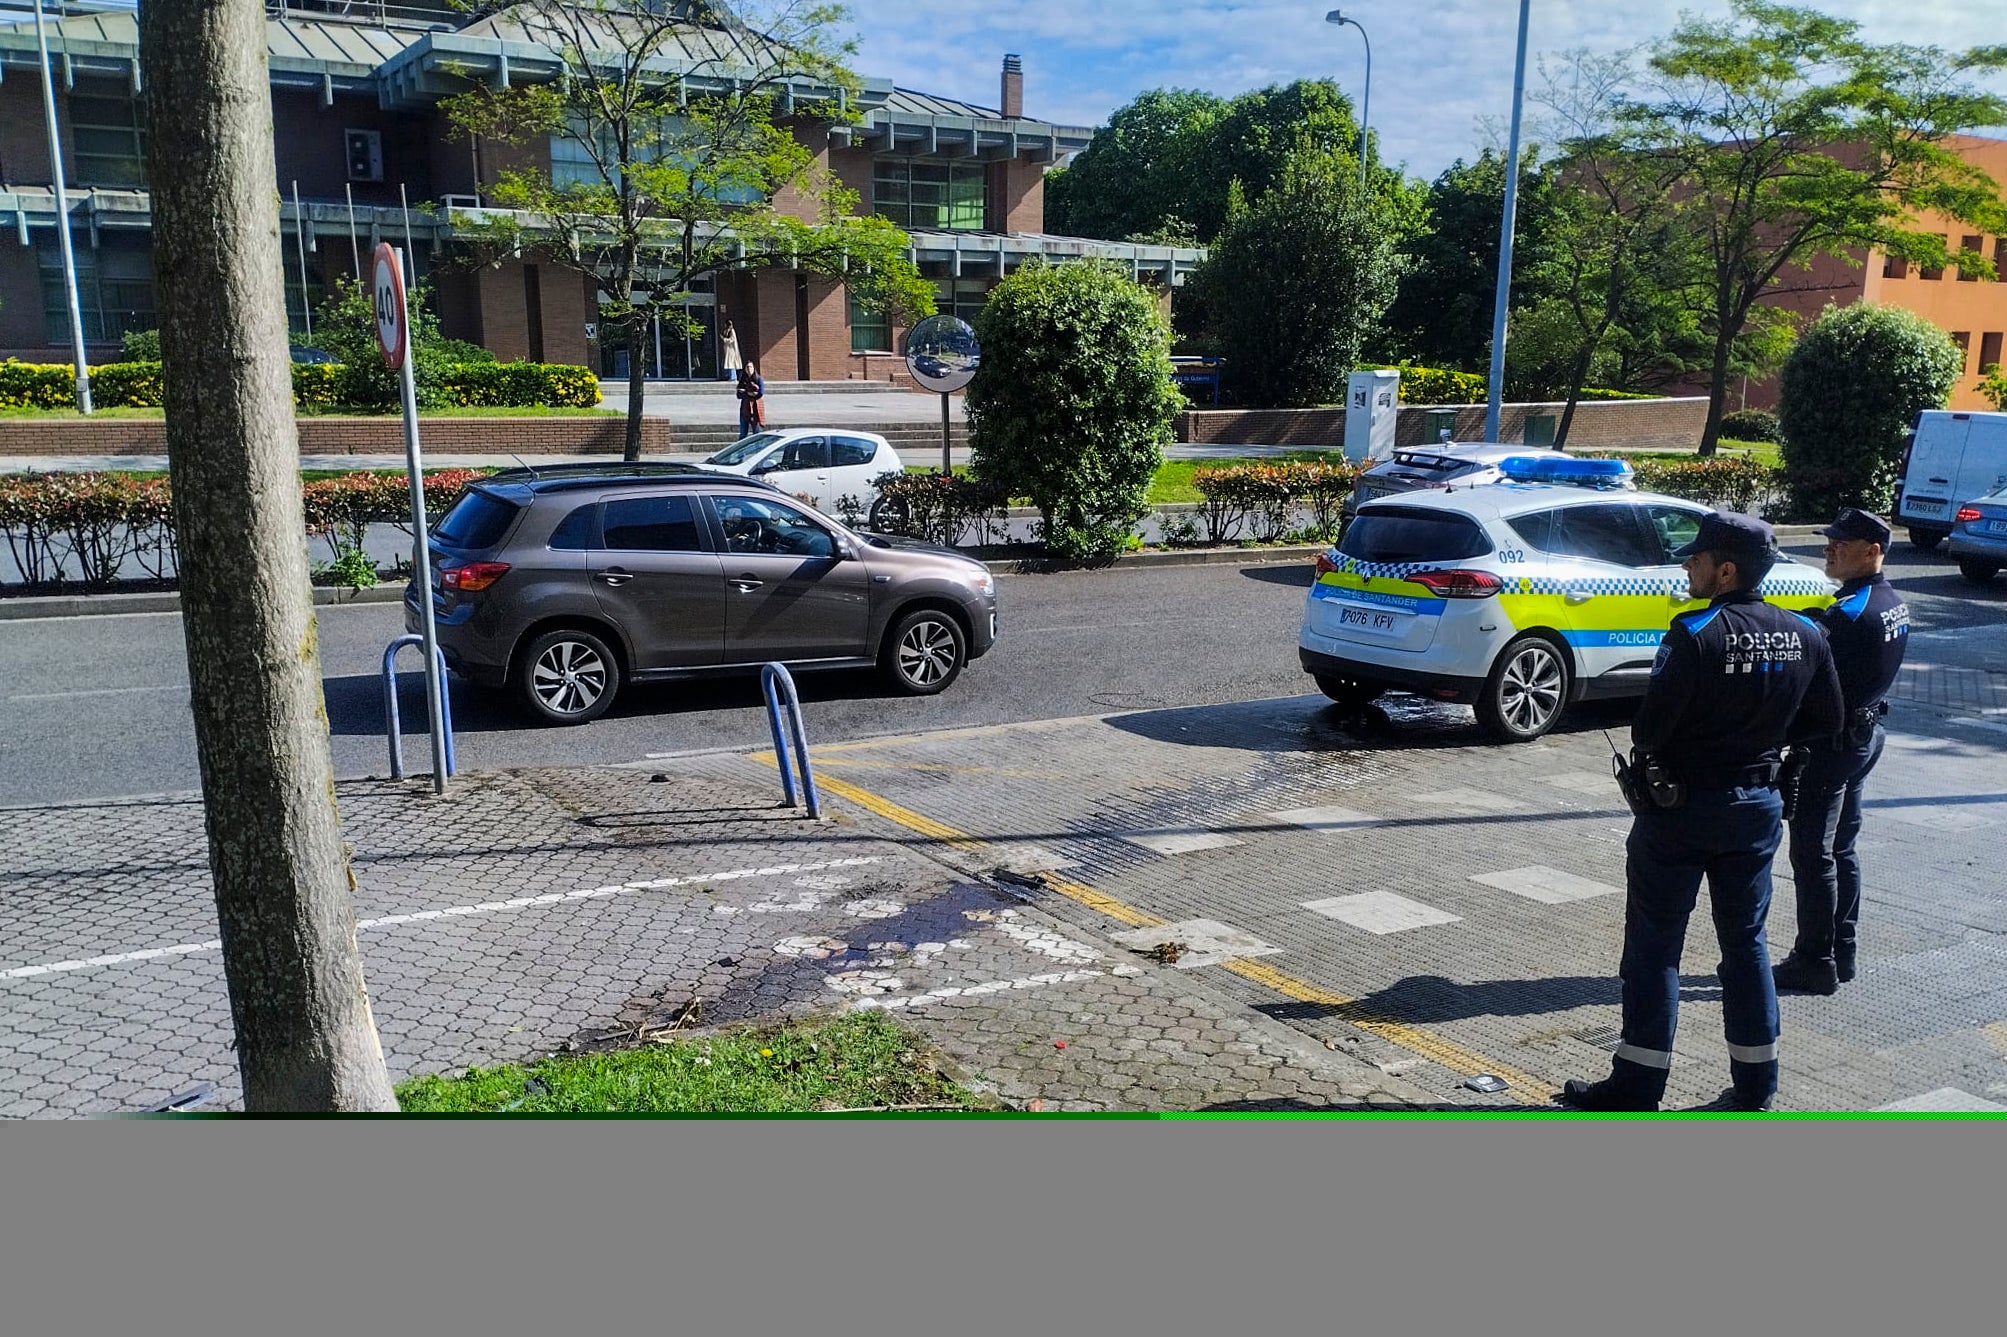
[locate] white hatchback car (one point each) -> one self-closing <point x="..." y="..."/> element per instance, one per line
<point x="1517" y="597"/>
<point x="822" y="465"/>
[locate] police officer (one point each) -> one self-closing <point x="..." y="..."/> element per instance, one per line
<point x="1867" y="627"/>
<point x="1732" y="685"/>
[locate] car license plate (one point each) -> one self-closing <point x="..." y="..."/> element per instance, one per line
<point x="1996" y="526"/>
<point x="1366" y="617"/>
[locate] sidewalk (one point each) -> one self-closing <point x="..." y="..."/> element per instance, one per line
<point x="528" y="911"/>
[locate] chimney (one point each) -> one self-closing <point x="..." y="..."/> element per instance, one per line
<point x="1013" y="87"/>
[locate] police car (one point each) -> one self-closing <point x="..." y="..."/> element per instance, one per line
<point x="1518" y="597"/>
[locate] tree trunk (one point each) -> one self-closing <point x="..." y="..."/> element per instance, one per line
<point x="284" y="893"/>
<point x="1717" y="390"/>
<point x="1576" y="378"/>
<point x="637" y="383"/>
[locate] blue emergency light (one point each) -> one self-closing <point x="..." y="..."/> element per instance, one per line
<point x="1566" y="470"/>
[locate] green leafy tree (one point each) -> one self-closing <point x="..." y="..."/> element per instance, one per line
<point x="1794" y="138"/>
<point x="683" y="161"/>
<point x="1441" y="313"/>
<point x="1074" y="402"/>
<point x="1296" y="282"/>
<point x="345" y="328"/>
<point x="1993" y="385"/>
<point x="1851" y="388"/>
<point x="1132" y="178"/>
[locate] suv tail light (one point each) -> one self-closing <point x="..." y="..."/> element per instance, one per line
<point x="1459" y="584"/>
<point x="472" y="577"/>
<point x="1968" y="513"/>
<point x="1325" y="566"/>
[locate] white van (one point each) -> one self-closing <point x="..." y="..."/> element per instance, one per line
<point x="1954" y="458"/>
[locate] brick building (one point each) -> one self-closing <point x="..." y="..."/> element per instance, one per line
<point x="364" y="154"/>
<point x="1971" y="309"/>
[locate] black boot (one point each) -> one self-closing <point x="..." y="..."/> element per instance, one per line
<point x="1805" y="974"/>
<point x="1604" y="1097"/>
<point x="1732" y="1102"/>
<point x="1843" y="962"/>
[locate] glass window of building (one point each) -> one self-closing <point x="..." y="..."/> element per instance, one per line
<point x="932" y="196"/>
<point x="962" y="298"/>
<point x="114" y="288"/>
<point x="109" y="134"/>
<point x="870" y="331"/>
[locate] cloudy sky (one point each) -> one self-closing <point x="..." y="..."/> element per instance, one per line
<point x="1440" y="67"/>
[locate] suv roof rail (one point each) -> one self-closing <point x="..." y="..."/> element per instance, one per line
<point x="529" y="473"/>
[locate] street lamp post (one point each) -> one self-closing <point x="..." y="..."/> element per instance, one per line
<point x="1365" y="102"/>
<point x="62" y="201"/>
<point x="1502" y="299"/>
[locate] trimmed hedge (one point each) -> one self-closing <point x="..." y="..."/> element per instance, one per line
<point x="322" y="385"/>
<point x="1590" y="392"/>
<point x="943" y="508"/>
<point x="1751" y="425"/>
<point x="1428" y="385"/>
<point x="1728" y="484"/>
<point x="81" y="527"/>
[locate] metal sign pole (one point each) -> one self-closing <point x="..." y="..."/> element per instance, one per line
<point x="62" y="202"/>
<point x="390" y="295"/>
<point x="947" y="464"/>
<point x="300" y="245"/>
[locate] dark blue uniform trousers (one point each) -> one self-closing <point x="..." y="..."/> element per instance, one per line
<point x="1824" y="862"/>
<point x="1728" y="836"/>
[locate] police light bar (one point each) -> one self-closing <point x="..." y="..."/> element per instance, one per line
<point x="1566" y="470"/>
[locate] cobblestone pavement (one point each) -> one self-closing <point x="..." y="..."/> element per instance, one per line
<point x="530" y="910"/>
<point x="1440" y="907"/>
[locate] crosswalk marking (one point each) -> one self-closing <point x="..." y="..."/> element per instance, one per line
<point x="1380" y="912"/>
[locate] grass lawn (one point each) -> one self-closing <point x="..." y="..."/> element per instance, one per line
<point x="860" y="1061"/>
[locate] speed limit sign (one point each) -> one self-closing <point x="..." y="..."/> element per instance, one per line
<point x="393" y="334"/>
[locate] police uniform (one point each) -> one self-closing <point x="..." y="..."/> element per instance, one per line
<point x="1732" y="685"/>
<point x="1867" y="627"/>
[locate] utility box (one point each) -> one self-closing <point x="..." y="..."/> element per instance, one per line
<point x="1539" y="429"/>
<point x="1438" y="426"/>
<point x="1372" y="403"/>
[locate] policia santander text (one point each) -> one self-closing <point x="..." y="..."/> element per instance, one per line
<point x="1734" y="683"/>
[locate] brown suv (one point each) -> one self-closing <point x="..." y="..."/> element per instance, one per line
<point x="562" y="583"/>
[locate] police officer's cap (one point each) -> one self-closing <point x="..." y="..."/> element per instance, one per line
<point x="1734" y="536"/>
<point x="1858" y="524"/>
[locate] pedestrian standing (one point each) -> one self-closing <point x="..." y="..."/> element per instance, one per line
<point x="729" y="359"/>
<point x="751" y="392"/>
<point x="1867" y="627"/>
<point x="1733" y="683"/>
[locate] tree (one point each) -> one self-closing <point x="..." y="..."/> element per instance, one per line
<point x="1074" y="402"/>
<point x="1132" y="180"/>
<point x="683" y="165"/>
<point x="1296" y="282"/>
<point x="284" y="892"/>
<point x="1795" y="139"/>
<point x="1852" y="387"/>
<point x="1616" y="265"/>
<point x="1441" y="313"/>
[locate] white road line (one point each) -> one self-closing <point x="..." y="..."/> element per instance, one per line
<point x="1549" y="886"/>
<point x="453" y="912"/>
<point x="980" y="990"/>
<point x="1380" y="912"/>
<point x="98" y="691"/>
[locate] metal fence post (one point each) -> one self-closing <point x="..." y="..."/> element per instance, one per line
<point x="390" y="711"/>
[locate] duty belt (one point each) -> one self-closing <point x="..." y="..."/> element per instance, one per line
<point x="1733" y="777"/>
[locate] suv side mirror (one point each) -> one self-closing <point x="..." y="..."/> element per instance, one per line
<point x="845" y="552"/>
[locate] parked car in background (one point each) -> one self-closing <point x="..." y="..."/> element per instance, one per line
<point x="1979" y="537"/>
<point x="820" y="464"/>
<point x="302" y="353"/>
<point x="1433" y="466"/>
<point x="564" y="583"/>
<point x="1953" y="456"/>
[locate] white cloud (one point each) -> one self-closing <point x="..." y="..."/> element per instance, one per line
<point x="1438" y="68"/>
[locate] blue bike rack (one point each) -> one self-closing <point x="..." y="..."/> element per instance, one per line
<point x="390" y="705"/>
<point x="778" y="685"/>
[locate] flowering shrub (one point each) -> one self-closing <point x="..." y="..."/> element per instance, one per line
<point x="35" y="385"/>
<point x="83" y="527"/>
<point x="519" y="385"/>
<point x="1731" y="484"/>
<point x="126" y="385"/>
<point x="1262" y="498"/>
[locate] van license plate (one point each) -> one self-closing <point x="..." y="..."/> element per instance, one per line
<point x="1360" y="617"/>
<point x="1923" y="504"/>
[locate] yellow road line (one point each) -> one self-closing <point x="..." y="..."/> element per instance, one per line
<point x="1525" y="1088"/>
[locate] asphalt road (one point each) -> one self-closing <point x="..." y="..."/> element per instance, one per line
<point x="98" y="707"/>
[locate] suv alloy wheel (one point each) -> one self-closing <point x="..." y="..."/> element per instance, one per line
<point x="924" y="652"/>
<point x="567" y="677"/>
<point x="1526" y="691"/>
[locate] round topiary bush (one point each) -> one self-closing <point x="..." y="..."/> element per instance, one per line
<point x="1073" y="403"/>
<point x="1855" y="382"/>
<point x="1750" y="425"/>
